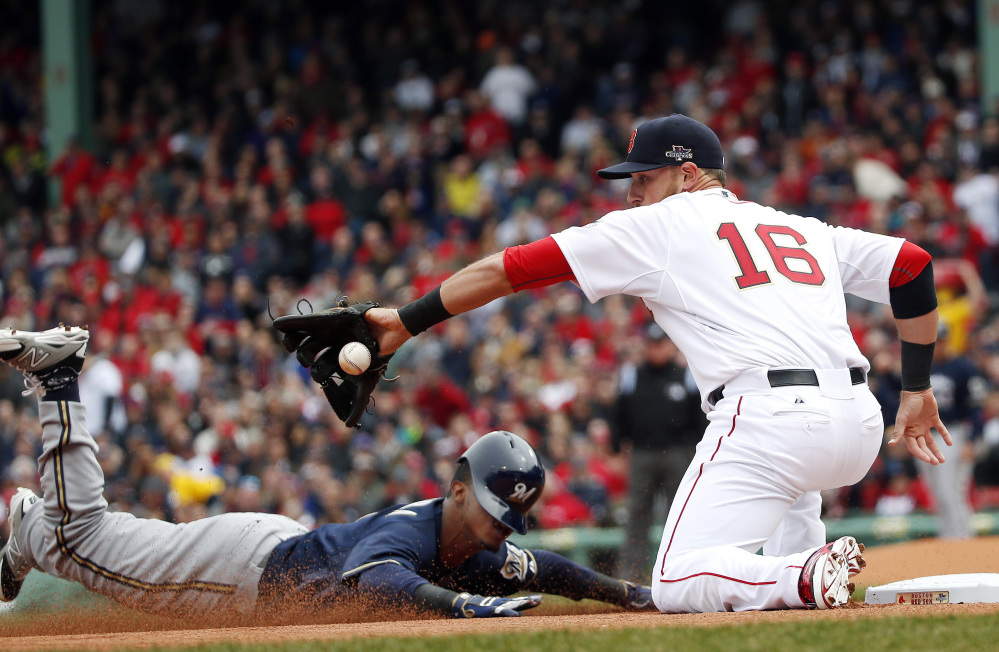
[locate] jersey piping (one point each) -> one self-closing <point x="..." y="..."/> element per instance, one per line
<point x="700" y="473"/>
<point x="364" y="567"/>
<point x="97" y="569"/>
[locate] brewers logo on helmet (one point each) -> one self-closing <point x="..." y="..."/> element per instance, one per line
<point x="507" y="477"/>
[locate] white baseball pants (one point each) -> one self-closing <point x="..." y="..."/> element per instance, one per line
<point x="204" y="567"/>
<point x="754" y="484"/>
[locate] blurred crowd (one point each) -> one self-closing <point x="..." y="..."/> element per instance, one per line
<point x="249" y="155"/>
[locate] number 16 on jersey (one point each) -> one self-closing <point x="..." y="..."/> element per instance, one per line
<point x="751" y="274"/>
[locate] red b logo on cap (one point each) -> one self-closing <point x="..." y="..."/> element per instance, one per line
<point x="631" y="143"/>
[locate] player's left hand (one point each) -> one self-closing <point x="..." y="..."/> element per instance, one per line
<point x="387" y="329"/>
<point x="917" y="415"/>
<point x="638" y="597"/>
<point x="467" y="605"/>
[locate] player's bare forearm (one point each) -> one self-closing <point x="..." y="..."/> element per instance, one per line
<point x="470" y="288"/>
<point x="476" y="285"/>
<point x="919" y="330"/>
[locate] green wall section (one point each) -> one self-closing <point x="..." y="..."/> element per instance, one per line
<point x="69" y="78"/>
<point x="988" y="55"/>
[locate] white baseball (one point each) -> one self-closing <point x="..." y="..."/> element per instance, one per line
<point x="354" y="358"/>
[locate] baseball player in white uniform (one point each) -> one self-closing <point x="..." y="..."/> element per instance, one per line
<point x="754" y="298"/>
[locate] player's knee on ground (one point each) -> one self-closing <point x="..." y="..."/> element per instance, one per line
<point x="666" y="595"/>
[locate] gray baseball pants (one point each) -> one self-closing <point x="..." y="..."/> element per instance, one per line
<point x="949" y="483"/>
<point x="653" y="473"/>
<point x="210" y="566"/>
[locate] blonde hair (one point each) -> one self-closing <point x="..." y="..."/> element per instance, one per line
<point x="718" y="174"/>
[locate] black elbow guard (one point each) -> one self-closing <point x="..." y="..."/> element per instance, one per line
<point x="915" y="298"/>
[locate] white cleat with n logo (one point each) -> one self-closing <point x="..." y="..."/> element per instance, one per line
<point x="32" y="358"/>
<point x="49" y="360"/>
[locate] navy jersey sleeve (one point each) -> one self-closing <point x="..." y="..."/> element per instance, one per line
<point x="390" y="581"/>
<point x="406" y="538"/>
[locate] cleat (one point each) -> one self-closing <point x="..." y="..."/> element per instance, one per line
<point x="49" y="360"/>
<point x="854" y="558"/>
<point x="824" y="582"/>
<point x="13" y="567"/>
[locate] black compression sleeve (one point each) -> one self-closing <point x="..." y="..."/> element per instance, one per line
<point x="435" y="598"/>
<point x="917" y="360"/>
<point x="419" y="315"/>
<point x="560" y="576"/>
<point x="915" y="298"/>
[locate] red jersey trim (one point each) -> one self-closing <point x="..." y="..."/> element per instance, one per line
<point x="536" y="265"/>
<point x="720" y="576"/>
<point x="911" y="260"/>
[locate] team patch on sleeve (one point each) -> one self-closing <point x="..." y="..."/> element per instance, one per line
<point x="520" y="564"/>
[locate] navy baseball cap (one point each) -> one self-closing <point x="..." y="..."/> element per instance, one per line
<point x="672" y="140"/>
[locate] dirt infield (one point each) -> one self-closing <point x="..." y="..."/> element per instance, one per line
<point x="885" y="564"/>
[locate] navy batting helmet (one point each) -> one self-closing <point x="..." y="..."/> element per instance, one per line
<point x="507" y="477"/>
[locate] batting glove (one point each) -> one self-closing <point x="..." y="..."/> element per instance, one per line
<point x="638" y="597"/>
<point x="467" y="605"/>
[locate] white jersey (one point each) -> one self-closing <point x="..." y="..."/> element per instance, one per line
<point x="736" y="285"/>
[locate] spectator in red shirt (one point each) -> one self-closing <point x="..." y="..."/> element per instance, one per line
<point x="572" y="324"/>
<point x="89" y="266"/>
<point x="439" y="396"/>
<point x="533" y="165"/>
<point x="118" y="173"/>
<point x="790" y="189"/>
<point x="130" y="356"/>
<point x="74" y="168"/>
<point x="324" y="213"/>
<point x="485" y="130"/>
<point x="558" y="507"/>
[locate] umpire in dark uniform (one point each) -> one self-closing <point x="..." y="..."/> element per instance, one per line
<point x="658" y="414"/>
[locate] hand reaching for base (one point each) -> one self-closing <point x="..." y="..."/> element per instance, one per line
<point x="467" y="605"/>
<point x="917" y="415"/>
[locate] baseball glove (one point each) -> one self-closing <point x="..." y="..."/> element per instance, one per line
<point x="316" y="339"/>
